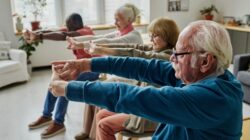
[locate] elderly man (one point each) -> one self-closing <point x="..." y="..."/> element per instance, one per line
<point x="200" y="98"/>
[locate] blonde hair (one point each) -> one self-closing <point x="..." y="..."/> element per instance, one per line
<point x="129" y="11"/>
<point x="166" y="29"/>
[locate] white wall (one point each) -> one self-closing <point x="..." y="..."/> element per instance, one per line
<point x="6" y="25"/>
<point x="160" y="8"/>
<point x="236" y="8"/>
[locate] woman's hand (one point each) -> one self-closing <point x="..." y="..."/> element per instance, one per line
<point x="73" y="44"/>
<point x="91" y="49"/>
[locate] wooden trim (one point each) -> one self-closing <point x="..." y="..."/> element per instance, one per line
<point x="237" y="28"/>
<point x="105" y="26"/>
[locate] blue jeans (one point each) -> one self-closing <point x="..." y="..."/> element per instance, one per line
<point x="62" y="103"/>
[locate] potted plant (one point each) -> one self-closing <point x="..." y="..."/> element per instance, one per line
<point x="28" y="48"/>
<point x="207" y="12"/>
<point x="36" y="7"/>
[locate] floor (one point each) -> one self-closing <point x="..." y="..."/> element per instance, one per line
<point x="22" y="103"/>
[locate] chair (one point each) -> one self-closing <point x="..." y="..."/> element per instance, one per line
<point x="13" y="68"/>
<point x="241" y="66"/>
<point x="246" y="129"/>
<point x="133" y="136"/>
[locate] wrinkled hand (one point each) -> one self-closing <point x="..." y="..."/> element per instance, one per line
<point x="73" y="44"/>
<point x="69" y="70"/>
<point x="91" y="49"/>
<point x="57" y="87"/>
<point x="26" y="36"/>
<point x="55" y="73"/>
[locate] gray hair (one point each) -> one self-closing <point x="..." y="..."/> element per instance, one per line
<point x="211" y="37"/>
<point x="129" y="11"/>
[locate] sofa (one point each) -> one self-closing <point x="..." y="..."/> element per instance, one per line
<point x="13" y="64"/>
<point x="242" y="72"/>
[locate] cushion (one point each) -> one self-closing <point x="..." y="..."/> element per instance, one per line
<point x="244" y="77"/>
<point x="8" y="66"/>
<point x="4" y="50"/>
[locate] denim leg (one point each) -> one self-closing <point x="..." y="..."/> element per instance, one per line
<point x="61" y="109"/>
<point x="49" y="104"/>
<point x="62" y="104"/>
<point x="90" y="76"/>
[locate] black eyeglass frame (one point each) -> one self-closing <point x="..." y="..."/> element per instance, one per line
<point x="175" y="54"/>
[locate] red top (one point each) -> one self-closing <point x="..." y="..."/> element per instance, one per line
<point x="80" y="53"/>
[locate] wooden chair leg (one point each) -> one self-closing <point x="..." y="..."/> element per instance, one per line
<point x="120" y="137"/>
<point x="133" y="138"/>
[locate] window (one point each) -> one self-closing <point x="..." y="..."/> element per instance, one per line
<point x="111" y="6"/>
<point x="88" y="9"/>
<point x="18" y="6"/>
<point x="92" y="11"/>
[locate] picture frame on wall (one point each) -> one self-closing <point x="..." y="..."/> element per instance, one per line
<point x="178" y="5"/>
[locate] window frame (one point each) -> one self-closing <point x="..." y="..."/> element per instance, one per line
<point x="60" y="13"/>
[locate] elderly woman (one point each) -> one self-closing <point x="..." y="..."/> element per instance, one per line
<point x="124" y="17"/>
<point x="164" y="34"/>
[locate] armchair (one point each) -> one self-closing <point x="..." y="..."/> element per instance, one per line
<point x="241" y="67"/>
<point x="14" y="68"/>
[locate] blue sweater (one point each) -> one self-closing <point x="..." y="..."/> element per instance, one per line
<point x="210" y="109"/>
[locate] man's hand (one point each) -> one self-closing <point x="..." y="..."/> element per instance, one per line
<point x="26" y="36"/>
<point x="73" y="44"/>
<point x="58" y="87"/>
<point x="55" y="74"/>
<point x="33" y="36"/>
<point x="69" y="70"/>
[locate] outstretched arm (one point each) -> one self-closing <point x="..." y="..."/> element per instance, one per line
<point x="152" y="71"/>
<point x="58" y="35"/>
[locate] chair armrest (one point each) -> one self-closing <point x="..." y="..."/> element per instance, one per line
<point x="18" y="55"/>
<point x="5" y="44"/>
<point x="241" y="62"/>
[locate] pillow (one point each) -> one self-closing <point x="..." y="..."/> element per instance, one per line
<point x="4" y="50"/>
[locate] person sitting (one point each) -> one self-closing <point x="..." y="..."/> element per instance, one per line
<point x="75" y="27"/>
<point x="199" y="97"/>
<point x="124" y="17"/>
<point x="164" y="34"/>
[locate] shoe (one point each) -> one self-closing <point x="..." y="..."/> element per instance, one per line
<point x="41" y="121"/>
<point x="81" y="136"/>
<point x="53" y="130"/>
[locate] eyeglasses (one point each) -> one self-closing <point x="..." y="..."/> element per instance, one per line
<point x="153" y="36"/>
<point x="175" y="54"/>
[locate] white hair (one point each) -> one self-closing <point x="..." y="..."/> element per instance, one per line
<point x="129" y="11"/>
<point x="211" y="37"/>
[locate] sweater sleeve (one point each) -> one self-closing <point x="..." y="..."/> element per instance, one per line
<point x="152" y="71"/>
<point x="201" y="104"/>
<point x="131" y="37"/>
<point x="131" y="52"/>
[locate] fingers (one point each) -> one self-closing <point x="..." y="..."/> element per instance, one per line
<point x="87" y="50"/>
<point x="55" y="63"/>
<point x="57" y="87"/>
<point x="65" y="75"/>
<point x="102" y="45"/>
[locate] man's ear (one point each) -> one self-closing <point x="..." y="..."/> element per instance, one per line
<point x="207" y="63"/>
